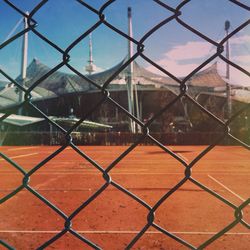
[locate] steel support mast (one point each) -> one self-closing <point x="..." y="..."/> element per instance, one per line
<point x="228" y="86"/>
<point x="24" y="61"/>
<point x="130" y="72"/>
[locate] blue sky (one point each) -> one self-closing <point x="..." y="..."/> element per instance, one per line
<point x="173" y="47"/>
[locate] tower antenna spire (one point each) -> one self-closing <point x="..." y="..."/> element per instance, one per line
<point x="90" y="68"/>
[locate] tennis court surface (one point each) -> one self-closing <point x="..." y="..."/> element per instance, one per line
<point x="113" y="218"/>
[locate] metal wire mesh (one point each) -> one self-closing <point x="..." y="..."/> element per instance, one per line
<point x="145" y="127"/>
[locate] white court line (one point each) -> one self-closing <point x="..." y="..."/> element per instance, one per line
<point x="120" y="232"/>
<point x="228" y="189"/>
<point x="20" y="156"/>
<point x="91" y="173"/>
<point x="23" y="148"/>
<point x="117" y="173"/>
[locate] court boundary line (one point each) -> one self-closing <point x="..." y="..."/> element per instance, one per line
<point x="92" y="172"/>
<point x="20" y="156"/>
<point x="119" y="232"/>
<point x="22" y="148"/>
<point x="227" y="188"/>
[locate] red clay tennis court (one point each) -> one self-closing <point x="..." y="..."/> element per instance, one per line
<point x="113" y="219"/>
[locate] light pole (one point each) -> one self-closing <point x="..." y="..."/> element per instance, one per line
<point x="228" y="86"/>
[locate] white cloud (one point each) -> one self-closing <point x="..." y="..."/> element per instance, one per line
<point x="173" y="67"/>
<point x="245" y="39"/>
<point x="190" y="50"/>
<point x="236" y="76"/>
<point x="243" y="59"/>
<point x="174" y="60"/>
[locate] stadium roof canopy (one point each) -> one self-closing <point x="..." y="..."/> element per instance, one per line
<point x="2" y="84"/>
<point x="20" y="120"/>
<point x="59" y="83"/>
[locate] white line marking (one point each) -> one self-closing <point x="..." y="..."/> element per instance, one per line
<point x="228" y="189"/>
<point x="40" y="188"/>
<point x="20" y="156"/>
<point x="117" y="173"/>
<point x="119" y="232"/>
<point x="23" y="148"/>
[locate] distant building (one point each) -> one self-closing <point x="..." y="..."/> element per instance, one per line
<point x="61" y="92"/>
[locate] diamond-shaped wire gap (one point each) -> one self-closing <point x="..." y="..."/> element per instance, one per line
<point x="27" y="213"/>
<point x="178" y="58"/>
<point x="225" y="168"/>
<point x="148" y="172"/>
<point x="193" y="12"/>
<point x="60" y="15"/>
<point x="112" y="44"/>
<point x="186" y="124"/>
<point x="109" y="212"/>
<point x="196" y="211"/>
<point x="67" y="180"/>
<point x="150" y="15"/>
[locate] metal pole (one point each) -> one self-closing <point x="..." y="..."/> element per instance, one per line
<point x="90" y="49"/>
<point x="24" y="61"/>
<point x="228" y="86"/>
<point x="138" y="127"/>
<point x="130" y="72"/>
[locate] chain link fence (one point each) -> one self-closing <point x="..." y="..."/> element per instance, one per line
<point x="145" y="126"/>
